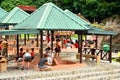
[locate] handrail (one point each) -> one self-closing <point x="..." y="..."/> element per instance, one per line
<point x="104" y="55"/>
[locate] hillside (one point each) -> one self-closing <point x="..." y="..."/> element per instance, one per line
<point x="110" y="23"/>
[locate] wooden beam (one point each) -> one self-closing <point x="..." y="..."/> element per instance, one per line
<point x="110" y="52"/>
<point x="24" y="39"/>
<point x="17" y="44"/>
<point x="80" y="47"/>
<point x="37" y="40"/>
<point x="52" y="37"/>
<point x="41" y="44"/>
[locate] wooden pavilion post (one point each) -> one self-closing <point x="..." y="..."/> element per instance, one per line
<point x="85" y="40"/>
<point x="37" y="40"/>
<point x="47" y="37"/>
<point x="96" y="43"/>
<point x="52" y="37"/>
<point x="41" y="44"/>
<point x="110" y="52"/>
<point x="24" y="39"/>
<point x="81" y="49"/>
<point x="62" y="42"/>
<point x="78" y="43"/>
<point x="80" y="46"/>
<point x="28" y="37"/>
<point x="17" y="40"/>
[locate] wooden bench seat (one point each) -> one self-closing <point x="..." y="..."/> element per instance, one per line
<point x="88" y="56"/>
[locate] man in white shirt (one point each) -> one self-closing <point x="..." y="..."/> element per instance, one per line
<point x="27" y="58"/>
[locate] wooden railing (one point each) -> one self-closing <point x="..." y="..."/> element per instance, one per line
<point x="104" y="55"/>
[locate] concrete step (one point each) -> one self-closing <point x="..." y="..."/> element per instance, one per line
<point x="95" y="71"/>
<point x="104" y="75"/>
<point x="111" y="74"/>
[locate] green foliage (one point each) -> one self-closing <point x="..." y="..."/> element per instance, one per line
<point x="99" y="25"/>
<point x="117" y="59"/>
<point x="91" y="9"/>
<point x="8" y="5"/>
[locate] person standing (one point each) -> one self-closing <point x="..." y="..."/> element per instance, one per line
<point x="32" y="53"/>
<point x="76" y="44"/>
<point x="5" y="48"/>
<point x="57" y="51"/>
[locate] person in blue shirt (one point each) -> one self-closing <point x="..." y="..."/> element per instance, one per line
<point x="43" y="63"/>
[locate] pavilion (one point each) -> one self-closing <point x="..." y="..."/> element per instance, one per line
<point x="96" y="31"/>
<point x="49" y="17"/>
<point x="14" y="17"/>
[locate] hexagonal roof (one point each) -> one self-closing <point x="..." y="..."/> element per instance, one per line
<point x="50" y="17"/>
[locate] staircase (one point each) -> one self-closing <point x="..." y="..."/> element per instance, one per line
<point x="93" y="71"/>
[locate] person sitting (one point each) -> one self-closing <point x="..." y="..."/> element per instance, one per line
<point x="44" y="64"/>
<point x="27" y="58"/>
<point x="32" y="53"/>
<point x="49" y="53"/>
<point x="20" y="55"/>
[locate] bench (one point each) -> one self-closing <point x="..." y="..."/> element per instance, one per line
<point x="88" y="56"/>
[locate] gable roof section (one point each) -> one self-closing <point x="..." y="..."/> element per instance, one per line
<point x="92" y="29"/>
<point x="77" y="19"/>
<point x="50" y="17"/>
<point x="83" y="18"/>
<point x="2" y="12"/>
<point x="15" y="16"/>
<point x="98" y="31"/>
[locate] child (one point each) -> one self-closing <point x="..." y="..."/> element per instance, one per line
<point x="32" y="53"/>
<point x="57" y="51"/>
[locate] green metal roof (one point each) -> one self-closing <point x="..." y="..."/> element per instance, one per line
<point x="98" y="31"/>
<point x="76" y="18"/>
<point x="14" y="32"/>
<point x="2" y="12"/>
<point x="15" y="16"/>
<point x="92" y="29"/>
<point x="50" y="17"/>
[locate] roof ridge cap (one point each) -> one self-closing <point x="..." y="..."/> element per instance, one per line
<point x="44" y="16"/>
<point x="69" y="12"/>
<point x="9" y="15"/>
<point x="23" y="11"/>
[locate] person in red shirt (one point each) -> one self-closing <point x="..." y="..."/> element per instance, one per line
<point x="76" y="44"/>
<point x="32" y="53"/>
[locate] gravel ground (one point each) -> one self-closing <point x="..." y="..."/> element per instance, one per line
<point x="13" y="72"/>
